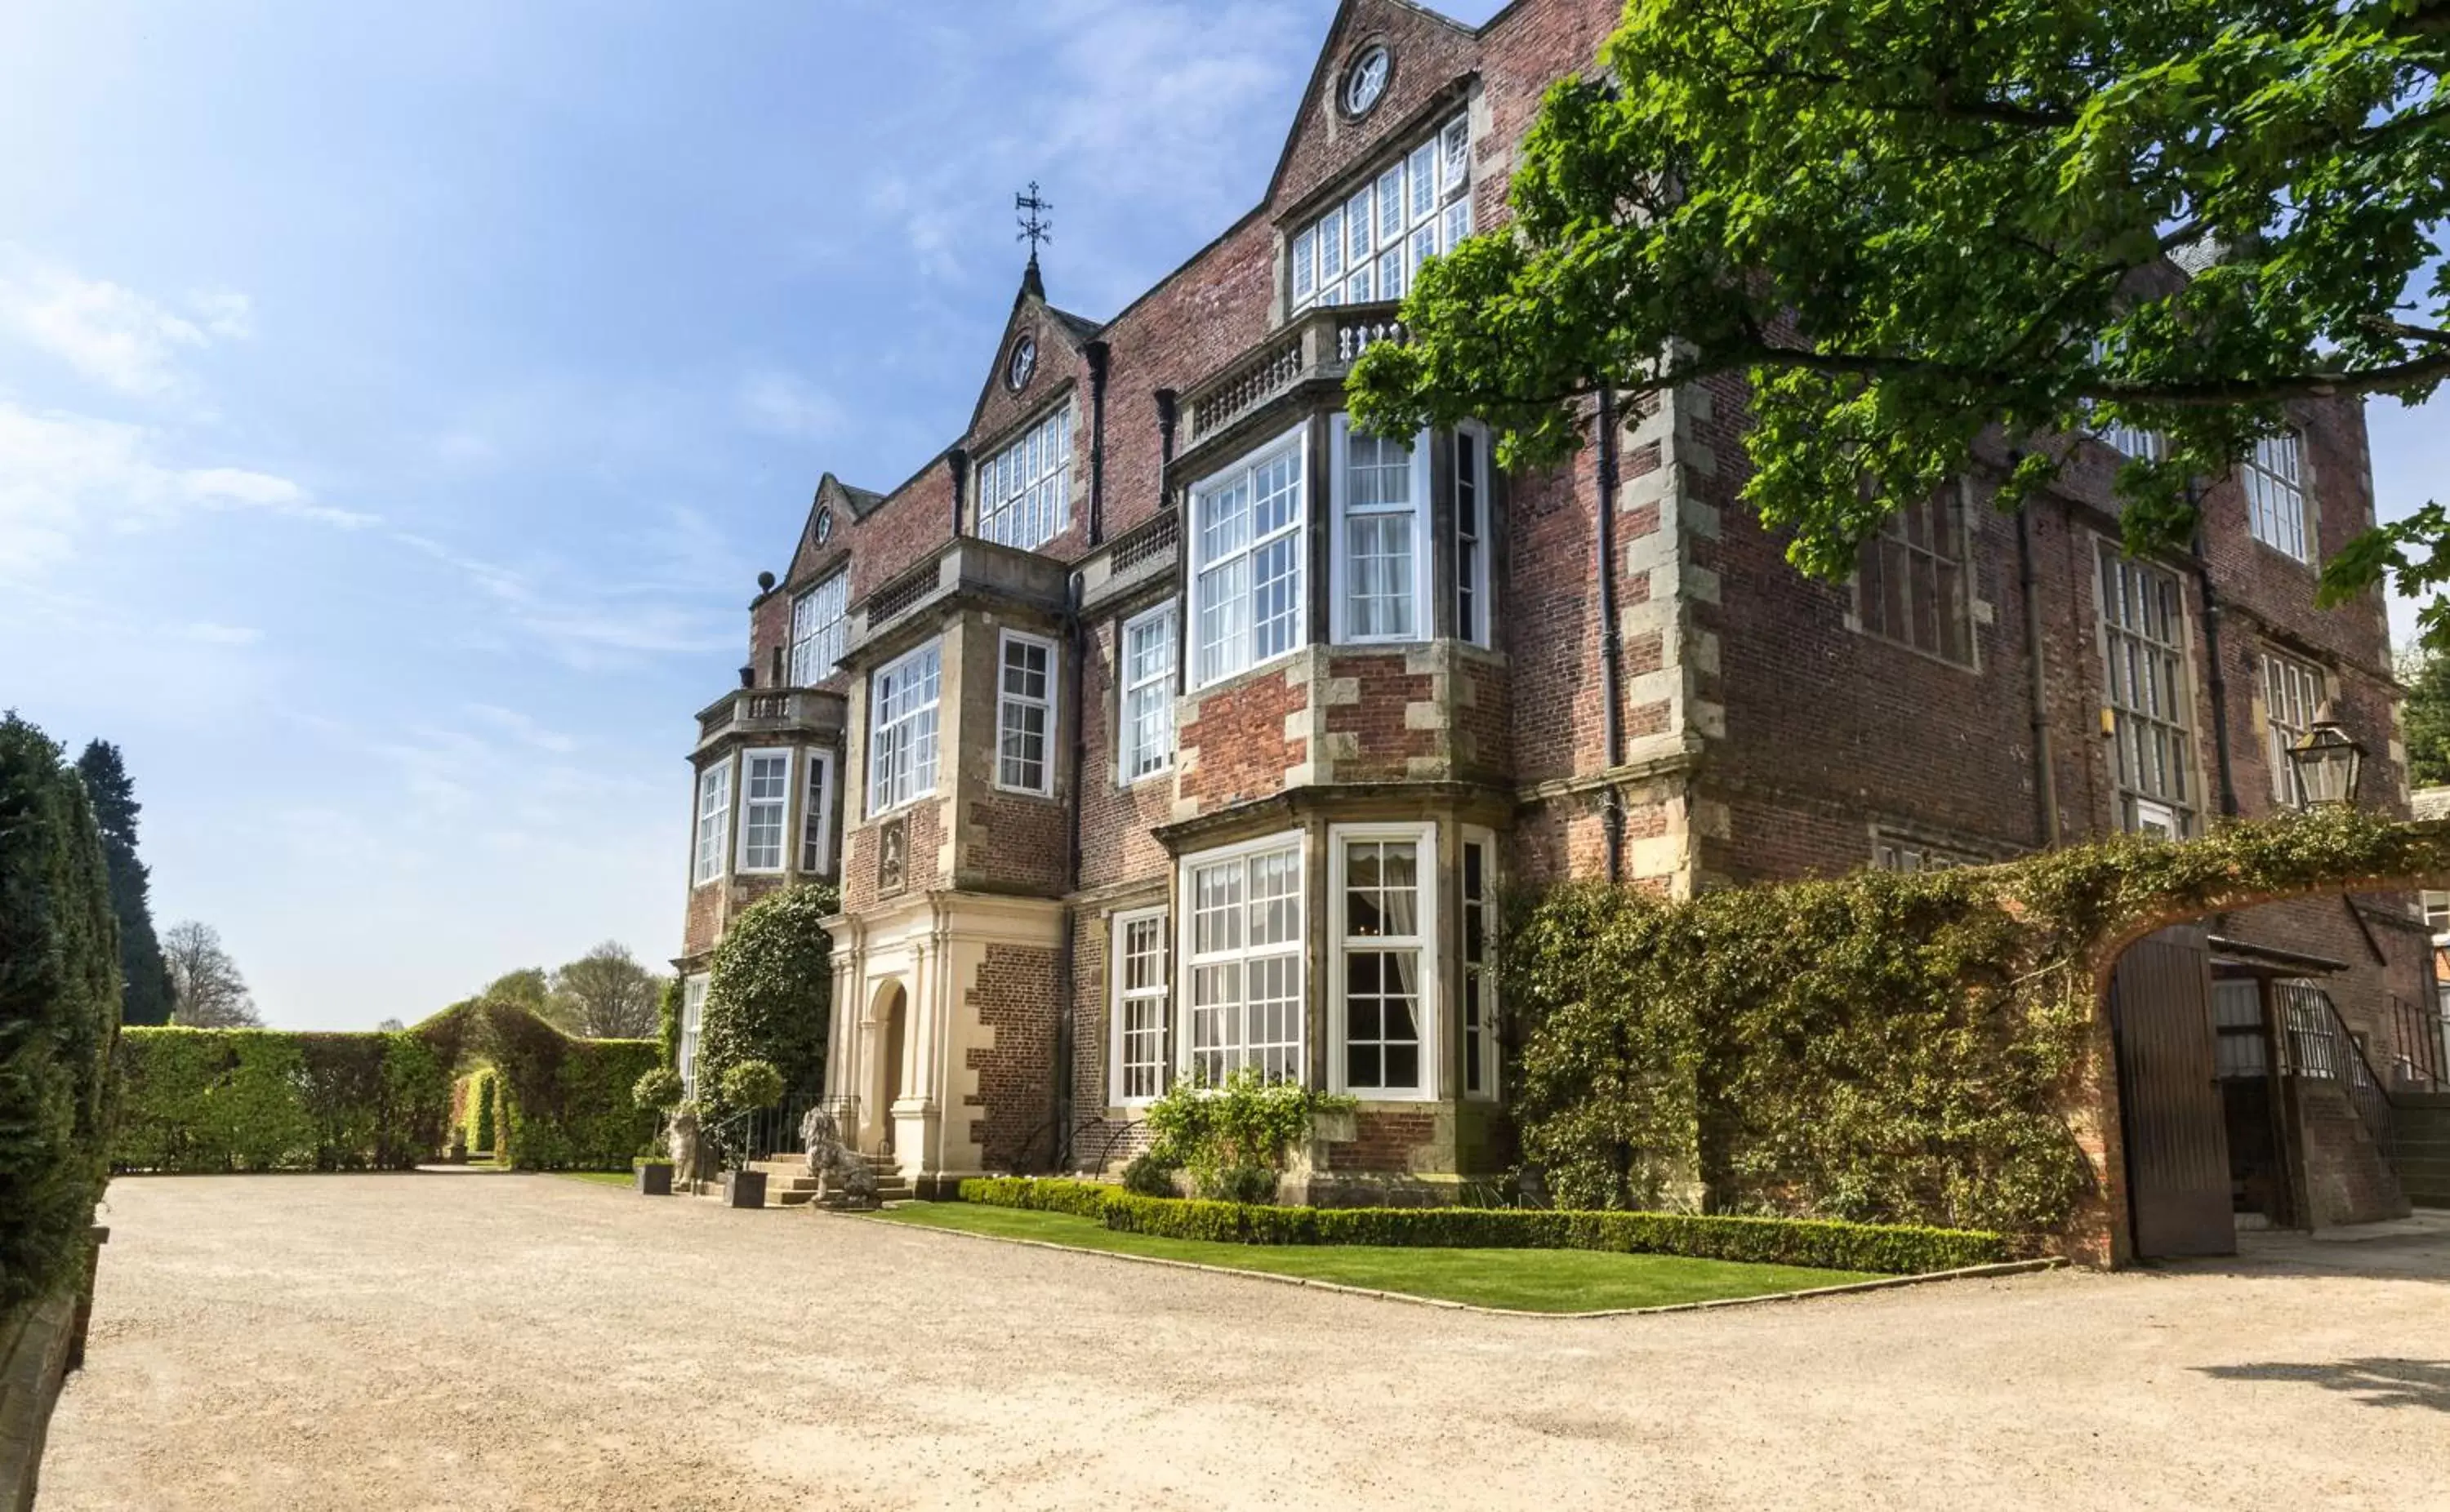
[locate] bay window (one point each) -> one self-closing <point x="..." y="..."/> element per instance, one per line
<point x="1478" y="957"/>
<point x="1246" y="581"/>
<point x="902" y="730"/>
<point x="1147" y="715"/>
<point x="713" y="819"/>
<point x="1471" y="535"/>
<point x="1142" y="995"/>
<point x="1381" y="883"/>
<point x="765" y="805"/>
<point x="1243" y="950"/>
<point x="817" y="629"/>
<point x="1372" y="243"/>
<point x="1026" y="490"/>
<point x="1025" y="713"/>
<point x="817" y="817"/>
<point x="1381" y="562"/>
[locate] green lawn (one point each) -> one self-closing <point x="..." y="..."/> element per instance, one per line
<point x="1530" y="1280"/>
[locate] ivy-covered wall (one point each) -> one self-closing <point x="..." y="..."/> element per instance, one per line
<point x="1926" y="1049"/>
<point x="257" y="1099"/>
<point x="771" y="997"/>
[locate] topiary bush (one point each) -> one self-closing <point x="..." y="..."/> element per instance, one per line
<point x="59" y="1011"/>
<point x="659" y="1089"/>
<point x="753" y="1084"/>
<point x="769" y="998"/>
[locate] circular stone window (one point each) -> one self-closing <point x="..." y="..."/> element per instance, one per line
<point x="1365" y="81"/>
<point x="1018" y="372"/>
<point x="824" y="526"/>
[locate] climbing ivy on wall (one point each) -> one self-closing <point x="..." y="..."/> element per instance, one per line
<point x="1882" y="1047"/>
<point x="770" y="998"/>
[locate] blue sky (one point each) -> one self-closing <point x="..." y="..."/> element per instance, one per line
<point x="398" y="403"/>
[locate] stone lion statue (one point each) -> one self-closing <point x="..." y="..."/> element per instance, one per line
<point x="680" y="1139"/>
<point x="843" y="1178"/>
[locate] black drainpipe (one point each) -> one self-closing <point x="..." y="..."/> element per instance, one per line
<point x="2046" y="787"/>
<point x="2215" y="679"/>
<point x="1164" y="433"/>
<point x="1097" y="352"/>
<point x="1612" y="812"/>
<point x="1066" y="962"/>
<point x="959" y="460"/>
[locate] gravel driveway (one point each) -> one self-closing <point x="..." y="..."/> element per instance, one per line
<point x="481" y="1342"/>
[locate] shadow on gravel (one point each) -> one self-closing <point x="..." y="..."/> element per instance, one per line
<point x="2377" y="1383"/>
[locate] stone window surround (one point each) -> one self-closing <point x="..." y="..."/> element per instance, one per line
<point x="713" y="809"/>
<point x="1190" y="961"/>
<point x="1482" y="975"/>
<point x="1128" y="753"/>
<point x="2149" y="811"/>
<point x="1055" y="473"/>
<point x="882" y="783"/>
<point x="817" y="814"/>
<point x="2280" y="495"/>
<point x="828" y="596"/>
<point x="1197" y="570"/>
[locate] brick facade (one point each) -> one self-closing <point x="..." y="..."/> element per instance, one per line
<point x="1761" y="730"/>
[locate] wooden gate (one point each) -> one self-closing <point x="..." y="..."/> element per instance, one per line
<point x="2169" y="1098"/>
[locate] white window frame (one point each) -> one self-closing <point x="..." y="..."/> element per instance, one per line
<point x="817" y="814"/>
<point x="1480" y="976"/>
<point x="2277" y="500"/>
<point x="891" y="783"/>
<point x="1340" y="572"/>
<point x="1475" y="615"/>
<point x="1371" y="244"/>
<point x="2140" y="667"/>
<point x="1423" y="944"/>
<point x="693" y="988"/>
<point x="713" y="845"/>
<point x="1232" y="1054"/>
<point x="1009" y="705"/>
<point x="1024" y="491"/>
<point x="2292" y="691"/>
<point x="780" y="803"/>
<point x="1123" y="1060"/>
<point x="817" y="643"/>
<point x="1138" y="758"/>
<point x="1209" y="575"/>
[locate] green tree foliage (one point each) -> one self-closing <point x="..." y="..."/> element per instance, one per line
<point x="1234" y="1138"/>
<point x="115" y="809"/>
<point x="1907" y="222"/>
<point x="771" y="998"/>
<point x="531" y="987"/>
<point x="2426" y="673"/>
<point x="58" y="1009"/>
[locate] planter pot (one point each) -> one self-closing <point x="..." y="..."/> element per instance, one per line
<point x="744" y="1189"/>
<point x="655" y="1180"/>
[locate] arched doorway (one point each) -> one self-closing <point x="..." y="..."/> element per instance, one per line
<point x="888" y="1078"/>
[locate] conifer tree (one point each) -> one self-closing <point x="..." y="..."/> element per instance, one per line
<point x="147" y="997"/>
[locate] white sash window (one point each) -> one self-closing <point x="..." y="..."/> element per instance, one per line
<point x="1246" y="548"/>
<point x="817" y="626"/>
<point x="765" y="807"/>
<point x="713" y="819"/>
<point x="1025" y="713"/>
<point x="1383" y="887"/>
<point x="1148" y="694"/>
<point x="1143" y="997"/>
<point x="902" y="730"/>
<point x="1243" y="950"/>
<point x="1381" y="563"/>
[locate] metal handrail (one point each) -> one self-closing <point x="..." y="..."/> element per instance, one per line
<point x="2319" y="1044"/>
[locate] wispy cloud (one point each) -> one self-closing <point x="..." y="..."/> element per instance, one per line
<point x="108" y="332"/>
<point x="783" y="403"/>
<point x="210" y="632"/>
<point x="64" y="475"/>
<point x="585" y="622"/>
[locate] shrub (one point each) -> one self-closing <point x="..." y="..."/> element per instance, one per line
<point x="484" y="1099"/>
<point x="753" y="1084"/>
<point x="1081" y="1199"/>
<point x="659" y="1089"/>
<point x="1148" y="1176"/>
<point x="1825" y="1245"/>
<point x="59" y="1010"/>
<point x="1218" y="1133"/>
<point x="770" y="998"/>
<point x="1240" y="1184"/>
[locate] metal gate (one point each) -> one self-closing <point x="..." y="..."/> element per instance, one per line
<point x="2169" y="1098"/>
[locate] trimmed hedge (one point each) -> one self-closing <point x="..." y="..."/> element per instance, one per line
<point x="59" y="1008"/>
<point x="197" y="1101"/>
<point x="1081" y="1199"/>
<point x="1884" y="1248"/>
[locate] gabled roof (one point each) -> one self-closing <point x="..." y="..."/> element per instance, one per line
<point x="1331" y="52"/>
<point x="835" y="494"/>
<point x="1030" y="310"/>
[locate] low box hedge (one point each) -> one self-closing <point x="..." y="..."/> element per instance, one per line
<point x="1882" y="1248"/>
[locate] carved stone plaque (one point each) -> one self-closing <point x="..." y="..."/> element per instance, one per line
<point x="893" y="854"/>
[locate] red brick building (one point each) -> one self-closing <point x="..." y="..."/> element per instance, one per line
<point x="1162" y="727"/>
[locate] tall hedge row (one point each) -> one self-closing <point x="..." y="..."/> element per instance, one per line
<point x="260" y="1099"/>
<point x="59" y="1010"/>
